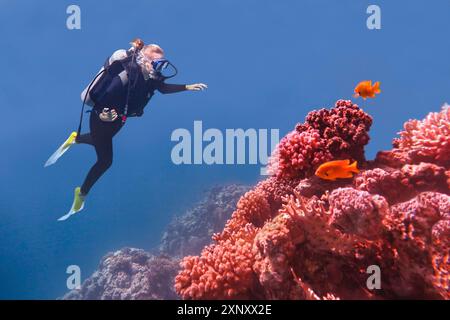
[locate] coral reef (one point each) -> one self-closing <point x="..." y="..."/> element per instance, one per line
<point x="130" y="274"/>
<point x="295" y="236"/>
<point x="422" y="141"/>
<point x="188" y="233"/>
<point x="341" y="132"/>
<point x="136" y="274"/>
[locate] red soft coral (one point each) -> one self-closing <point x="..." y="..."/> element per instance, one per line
<point x="338" y="133"/>
<point x="420" y="229"/>
<point x="295" y="236"/>
<point x="224" y="269"/>
<point x="344" y="127"/>
<point x="401" y="184"/>
<point x="298" y="153"/>
<point x="274" y="248"/>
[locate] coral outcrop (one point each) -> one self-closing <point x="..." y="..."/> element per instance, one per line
<point x="188" y="233"/>
<point x="130" y="274"/>
<point x="422" y="141"/>
<point x="295" y="236"/>
<point x="341" y="132"/>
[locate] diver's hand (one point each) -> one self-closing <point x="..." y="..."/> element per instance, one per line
<point x="108" y="115"/>
<point x="196" y="87"/>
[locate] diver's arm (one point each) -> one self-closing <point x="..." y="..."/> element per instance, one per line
<point x="173" y="88"/>
<point x="166" y="88"/>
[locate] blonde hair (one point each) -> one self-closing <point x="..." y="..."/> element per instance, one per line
<point x="146" y="55"/>
<point x="153" y="51"/>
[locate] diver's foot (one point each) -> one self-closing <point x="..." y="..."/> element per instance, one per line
<point x="78" y="201"/>
<point x="70" y="140"/>
<point x="77" y="205"/>
<point x="62" y="149"/>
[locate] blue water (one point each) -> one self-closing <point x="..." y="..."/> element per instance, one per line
<point x="267" y="63"/>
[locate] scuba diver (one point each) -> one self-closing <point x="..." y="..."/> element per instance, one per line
<point x="121" y="89"/>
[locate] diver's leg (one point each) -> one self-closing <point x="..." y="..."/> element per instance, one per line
<point x="85" y="138"/>
<point x="101" y="134"/>
<point x="104" y="150"/>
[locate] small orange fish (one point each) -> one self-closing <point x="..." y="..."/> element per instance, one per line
<point x="365" y="89"/>
<point x="333" y="170"/>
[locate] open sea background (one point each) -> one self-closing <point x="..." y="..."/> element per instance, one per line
<point x="267" y="63"/>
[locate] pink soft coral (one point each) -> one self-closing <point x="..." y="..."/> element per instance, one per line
<point x="357" y="212"/>
<point x="427" y="140"/>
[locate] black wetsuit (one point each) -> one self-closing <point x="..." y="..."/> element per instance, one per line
<point x="102" y="132"/>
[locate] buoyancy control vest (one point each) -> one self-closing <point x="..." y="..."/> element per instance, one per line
<point x="122" y="86"/>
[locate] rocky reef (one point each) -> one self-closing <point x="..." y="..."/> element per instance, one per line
<point x="135" y="274"/>
<point x="188" y="233"/>
<point x="295" y="236"/>
<point x="130" y="274"/>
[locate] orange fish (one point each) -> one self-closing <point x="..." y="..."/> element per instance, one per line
<point x="333" y="170"/>
<point x="365" y="89"/>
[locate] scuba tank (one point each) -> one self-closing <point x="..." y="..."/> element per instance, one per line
<point x="136" y="46"/>
<point x="128" y="66"/>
